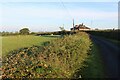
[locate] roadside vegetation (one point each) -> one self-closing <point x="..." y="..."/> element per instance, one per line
<point x="94" y="66"/>
<point x="60" y="58"/>
<point x="110" y="34"/>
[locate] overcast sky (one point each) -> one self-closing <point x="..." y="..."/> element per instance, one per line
<point x="49" y="16"/>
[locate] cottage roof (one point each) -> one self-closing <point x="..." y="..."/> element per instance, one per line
<point x="80" y="26"/>
<point x="83" y="27"/>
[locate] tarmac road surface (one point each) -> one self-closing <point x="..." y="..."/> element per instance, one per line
<point x="110" y="56"/>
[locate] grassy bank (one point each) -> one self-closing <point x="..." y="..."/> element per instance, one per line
<point x="94" y="66"/>
<point x="61" y="58"/>
<point x="10" y="43"/>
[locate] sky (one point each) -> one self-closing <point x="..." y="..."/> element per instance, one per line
<point x="50" y="15"/>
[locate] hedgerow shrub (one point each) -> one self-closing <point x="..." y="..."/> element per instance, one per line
<point x="61" y="58"/>
<point x="111" y="34"/>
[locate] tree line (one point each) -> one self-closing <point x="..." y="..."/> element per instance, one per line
<point x="111" y="34"/>
<point x="24" y="31"/>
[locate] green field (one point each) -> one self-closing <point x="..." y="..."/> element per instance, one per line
<point x="10" y="43"/>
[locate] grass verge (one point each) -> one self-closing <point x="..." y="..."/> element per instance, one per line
<point x="94" y="66"/>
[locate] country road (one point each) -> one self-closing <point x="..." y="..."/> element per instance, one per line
<point x="109" y="53"/>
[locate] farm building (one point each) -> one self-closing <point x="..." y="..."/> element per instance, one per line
<point x="80" y="27"/>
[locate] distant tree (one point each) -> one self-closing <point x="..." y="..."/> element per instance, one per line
<point x="32" y="33"/>
<point x="24" y="31"/>
<point x="5" y="33"/>
<point x="0" y="32"/>
<point x="16" y="33"/>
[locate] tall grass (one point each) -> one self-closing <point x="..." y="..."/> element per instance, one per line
<point x="95" y="67"/>
<point x="61" y="58"/>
